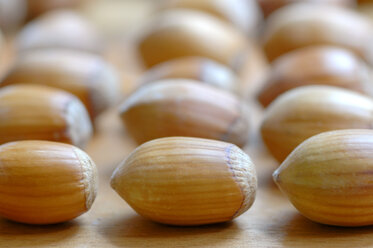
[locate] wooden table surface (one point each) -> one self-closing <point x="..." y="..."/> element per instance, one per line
<point x="271" y="221"/>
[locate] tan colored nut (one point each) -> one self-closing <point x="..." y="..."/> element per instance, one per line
<point x="364" y="1"/>
<point x="328" y="178"/>
<point x="32" y="112"/>
<point x="12" y="14"/>
<point x="85" y="75"/>
<point x="38" y="7"/>
<point x="45" y="182"/>
<point x="323" y="65"/>
<point x="306" y="111"/>
<point x="187" y="181"/>
<point x="60" y="29"/>
<point x="243" y="14"/>
<point x="184" y="108"/>
<point x="301" y="25"/>
<point x="196" y="68"/>
<point x="269" y="6"/>
<point x="1" y="42"/>
<point x="182" y="33"/>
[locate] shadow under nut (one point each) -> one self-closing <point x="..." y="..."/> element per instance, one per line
<point x="185" y="108"/>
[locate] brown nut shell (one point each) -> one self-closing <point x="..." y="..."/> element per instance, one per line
<point x="182" y="33"/>
<point x="301" y="25"/>
<point x="184" y="108"/>
<point x="60" y="29"/>
<point x="328" y="178"/>
<point x="33" y="112"/>
<point x="323" y="65"/>
<point x="38" y="7"/>
<point x="85" y="75"/>
<point x="200" y="69"/>
<point x="306" y="111"/>
<point x="269" y="6"/>
<point x="45" y="182"/>
<point x="187" y="181"/>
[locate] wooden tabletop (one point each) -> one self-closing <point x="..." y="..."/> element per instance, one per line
<point x="271" y="222"/>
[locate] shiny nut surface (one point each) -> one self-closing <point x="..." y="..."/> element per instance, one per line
<point x="328" y="178"/>
<point x="196" y="68"/>
<point x="243" y="14"/>
<point x="321" y="65"/>
<point x="269" y="6"/>
<point x="85" y="75"/>
<point x="187" y="181"/>
<point x="301" y="25"/>
<point x="183" y="33"/>
<point x="45" y="182"/>
<point x="184" y="108"/>
<point x="306" y="111"/>
<point x="32" y="112"/>
<point x="60" y="29"/>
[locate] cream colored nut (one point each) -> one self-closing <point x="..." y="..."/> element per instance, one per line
<point x="45" y="182"/>
<point x="301" y="25"/>
<point x="187" y="181"/>
<point x="184" y="108"/>
<point x="243" y="14"/>
<point x="196" y="68"/>
<point x="60" y="29"/>
<point x="328" y="178"/>
<point x="33" y="112"/>
<point x="94" y="81"/>
<point x="324" y="65"/>
<point x="182" y="33"/>
<point x="306" y="111"/>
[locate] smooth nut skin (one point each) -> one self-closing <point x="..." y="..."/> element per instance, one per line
<point x="201" y="69"/>
<point x="184" y="33"/>
<point x="328" y="178"/>
<point x="301" y="25"/>
<point x="45" y="182"/>
<point x="85" y="75"/>
<point x="269" y="6"/>
<point x="322" y="65"/>
<point x="184" y="108"/>
<point x="187" y="181"/>
<point x="12" y="14"/>
<point x="243" y="14"/>
<point x="32" y="112"/>
<point x="306" y="111"/>
<point x="38" y="7"/>
<point x="60" y="29"/>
